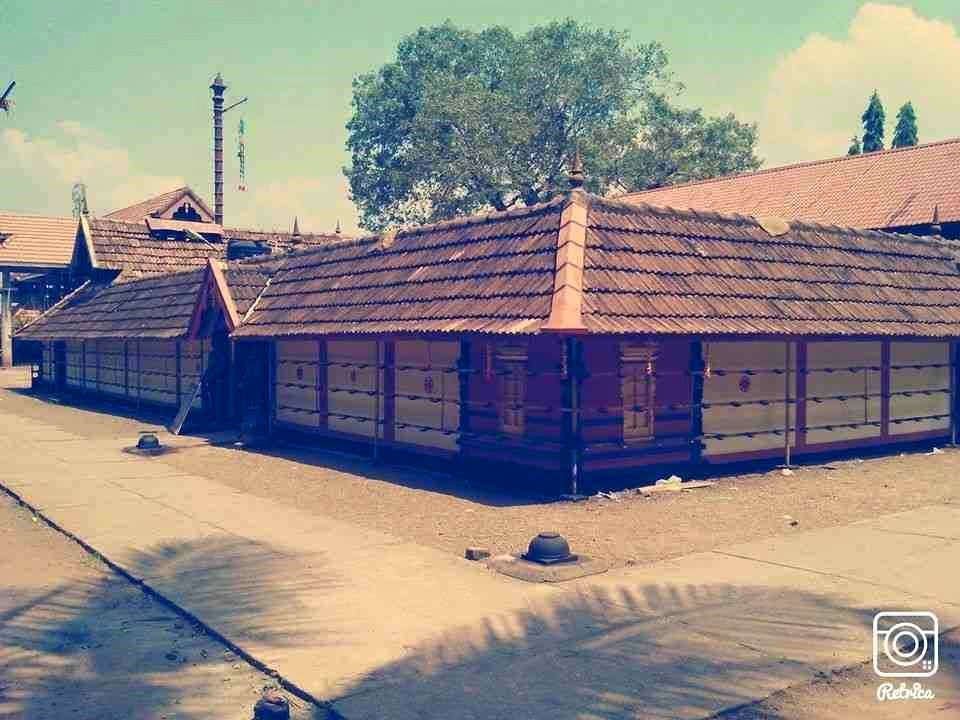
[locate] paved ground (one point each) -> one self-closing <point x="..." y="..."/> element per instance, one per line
<point x="78" y="641"/>
<point x="393" y="629"/>
<point x="449" y="513"/>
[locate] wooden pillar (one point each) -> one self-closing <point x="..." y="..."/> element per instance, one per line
<point x="323" y="383"/>
<point x="788" y="365"/>
<point x="885" y="385"/>
<point x="697" y="366"/>
<point x="6" y="318"/>
<point x="377" y="396"/>
<point x="126" y="368"/>
<point x="389" y="390"/>
<point x="464" y="379"/>
<point x="954" y="399"/>
<point x="232" y="378"/>
<point x="96" y="368"/>
<point x="271" y="385"/>
<point x="178" y="364"/>
<point x="573" y="426"/>
<point x="801" y="417"/>
<point x="139" y="373"/>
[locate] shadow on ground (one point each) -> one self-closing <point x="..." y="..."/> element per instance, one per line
<point x="101" y="648"/>
<point x="651" y="651"/>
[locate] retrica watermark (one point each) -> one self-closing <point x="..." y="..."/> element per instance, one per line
<point x="906" y="644"/>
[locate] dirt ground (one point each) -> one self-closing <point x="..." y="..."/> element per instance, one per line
<point x="448" y="512"/>
<point x="851" y="693"/>
<point x="78" y="641"/>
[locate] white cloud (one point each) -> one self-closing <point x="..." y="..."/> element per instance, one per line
<point x="818" y="91"/>
<point x="76" y="153"/>
<point x="317" y="202"/>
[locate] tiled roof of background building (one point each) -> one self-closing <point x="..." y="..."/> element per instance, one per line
<point x="156" y="205"/>
<point x="36" y="242"/>
<point x="887" y="189"/>
<point x="154" y="307"/>
<point x="131" y="248"/>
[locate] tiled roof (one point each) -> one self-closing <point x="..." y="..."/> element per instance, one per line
<point x="34" y="241"/>
<point x="282" y="241"/>
<point x="886" y="189"/>
<point x="157" y="205"/>
<point x="653" y="270"/>
<point x="642" y="270"/>
<point x="487" y="274"/>
<point x="246" y="279"/>
<point x="132" y="249"/>
<point x="154" y="307"/>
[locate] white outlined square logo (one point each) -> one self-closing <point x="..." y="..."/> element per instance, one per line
<point x="906" y="644"/>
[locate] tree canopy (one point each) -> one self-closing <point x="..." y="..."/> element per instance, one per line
<point x="874" y="120"/>
<point x="854" y="148"/>
<point x="463" y="121"/>
<point x="905" y="134"/>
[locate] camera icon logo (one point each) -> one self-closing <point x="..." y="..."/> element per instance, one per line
<point x="906" y="644"/>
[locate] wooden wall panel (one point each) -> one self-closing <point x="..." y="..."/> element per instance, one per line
<point x="483" y="389"/>
<point x="730" y="380"/>
<point x="933" y="380"/>
<point x="157" y="375"/>
<point x="111" y="366"/>
<point x="74" y="358"/>
<point x="194" y="358"/>
<point x="49" y="371"/>
<point x="428" y="393"/>
<point x="350" y="388"/>
<point x="90" y="365"/>
<point x="544" y="397"/>
<point x="297" y="380"/>
<point x="829" y="376"/>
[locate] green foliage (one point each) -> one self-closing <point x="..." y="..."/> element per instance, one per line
<point x="874" y="120"/>
<point x="854" y="148"/>
<point x="905" y="134"/>
<point x="464" y="121"/>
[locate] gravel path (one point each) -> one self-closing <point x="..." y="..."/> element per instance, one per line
<point x="78" y="641"/>
<point x="449" y="513"/>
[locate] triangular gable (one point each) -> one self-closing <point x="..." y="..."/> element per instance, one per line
<point x="214" y="293"/>
<point x="84" y="257"/>
<point x="187" y="199"/>
<point x="180" y="204"/>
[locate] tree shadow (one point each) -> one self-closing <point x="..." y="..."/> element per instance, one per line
<point x="101" y="648"/>
<point x="646" y="651"/>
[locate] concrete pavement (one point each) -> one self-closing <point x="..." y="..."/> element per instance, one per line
<point x="386" y="628"/>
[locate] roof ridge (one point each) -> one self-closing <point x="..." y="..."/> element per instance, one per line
<point x="792" y="166"/>
<point x="566" y="304"/>
<point x="32" y="216"/>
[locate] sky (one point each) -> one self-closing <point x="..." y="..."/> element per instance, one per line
<point x="115" y="94"/>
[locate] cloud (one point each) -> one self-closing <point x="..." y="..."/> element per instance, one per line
<point x="76" y="153"/>
<point x="818" y="91"/>
<point x="317" y="202"/>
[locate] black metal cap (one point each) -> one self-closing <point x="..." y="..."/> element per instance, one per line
<point x="548" y="548"/>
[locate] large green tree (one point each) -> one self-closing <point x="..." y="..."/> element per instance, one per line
<point x="464" y="121"/>
<point x="873" y="119"/>
<point x="905" y="134"/>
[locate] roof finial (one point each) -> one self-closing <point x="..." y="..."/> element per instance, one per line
<point x="296" y="226"/>
<point x="575" y="176"/>
<point x="337" y="231"/>
<point x="935" y="227"/>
